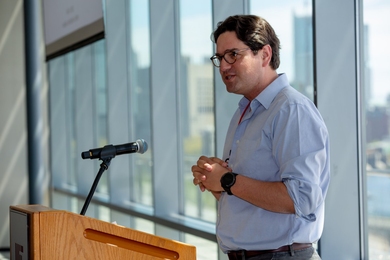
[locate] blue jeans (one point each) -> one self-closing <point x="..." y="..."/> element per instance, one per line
<point x="302" y="254"/>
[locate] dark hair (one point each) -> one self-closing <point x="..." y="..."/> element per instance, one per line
<point x="254" y="31"/>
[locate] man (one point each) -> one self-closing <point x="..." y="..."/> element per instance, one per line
<point x="272" y="180"/>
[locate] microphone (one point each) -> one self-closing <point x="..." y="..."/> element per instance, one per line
<point x="110" y="151"/>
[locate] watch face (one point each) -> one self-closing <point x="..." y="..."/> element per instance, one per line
<point x="227" y="181"/>
<point x="228" y="178"/>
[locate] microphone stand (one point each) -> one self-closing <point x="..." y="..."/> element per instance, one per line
<point x="108" y="152"/>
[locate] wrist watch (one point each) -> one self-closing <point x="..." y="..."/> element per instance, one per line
<point x="227" y="181"/>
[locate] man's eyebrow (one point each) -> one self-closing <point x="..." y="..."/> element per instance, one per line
<point x="226" y="51"/>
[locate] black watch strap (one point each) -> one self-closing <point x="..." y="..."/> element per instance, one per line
<point x="227" y="181"/>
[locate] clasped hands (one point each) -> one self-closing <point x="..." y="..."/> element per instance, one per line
<point x="208" y="172"/>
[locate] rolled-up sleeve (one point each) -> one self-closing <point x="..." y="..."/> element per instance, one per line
<point x="302" y="151"/>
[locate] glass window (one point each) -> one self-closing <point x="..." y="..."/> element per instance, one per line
<point x="66" y="83"/>
<point x="295" y="32"/>
<point x="70" y="116"/>
<point x="196" y="102"/>
<point x="376" y="93"/>
<point x="139" y="106"/>
<point x="100" y="89"/>
<point x="205" y="249"/>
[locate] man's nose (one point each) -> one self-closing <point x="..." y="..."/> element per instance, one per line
<point x="224" y="65"/>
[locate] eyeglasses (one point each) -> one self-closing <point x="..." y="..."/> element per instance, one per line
<point x="229" y="56"/>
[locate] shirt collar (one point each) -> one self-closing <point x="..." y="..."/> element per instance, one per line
<point x="269" y="93"/>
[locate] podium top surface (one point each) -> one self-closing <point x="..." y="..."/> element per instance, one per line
<point x="32" y="208"/>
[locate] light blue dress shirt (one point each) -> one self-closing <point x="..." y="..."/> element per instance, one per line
<point x="282" y="137"/>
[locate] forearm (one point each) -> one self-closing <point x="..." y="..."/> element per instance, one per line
<point x="271" y="196"/>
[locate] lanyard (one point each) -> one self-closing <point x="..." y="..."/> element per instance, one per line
<point x="243" y="113"/>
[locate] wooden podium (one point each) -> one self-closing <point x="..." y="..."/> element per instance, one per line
<point x="41" y="233"/>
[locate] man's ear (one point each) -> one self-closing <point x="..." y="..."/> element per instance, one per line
<point x="266" y="54"/>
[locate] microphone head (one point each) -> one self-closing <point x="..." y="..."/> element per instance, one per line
<point x="142" y="146"/>
<point x="86" y="155"/>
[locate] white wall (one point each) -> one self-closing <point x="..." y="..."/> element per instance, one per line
<point x="13" y="115"/>
<point x="13" y="124"/>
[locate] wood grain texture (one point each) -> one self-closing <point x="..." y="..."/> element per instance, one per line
<point x="64" y="235"/>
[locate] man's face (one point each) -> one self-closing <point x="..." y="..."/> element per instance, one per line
<point x="244" y="75"/>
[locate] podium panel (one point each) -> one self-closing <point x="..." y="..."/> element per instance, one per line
<point x="39" y="232"/>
